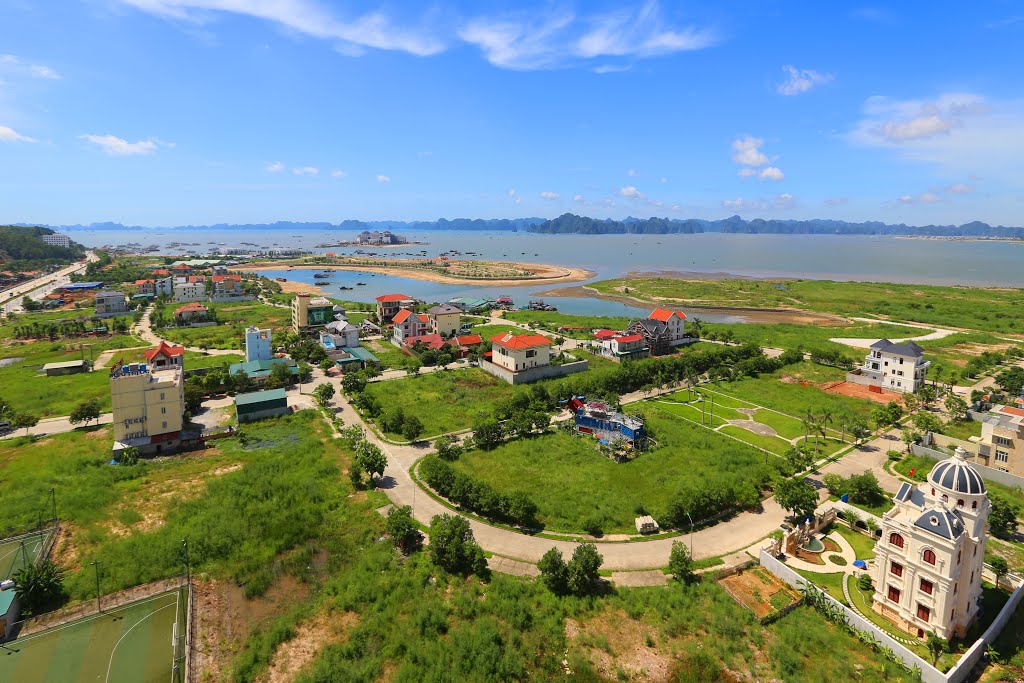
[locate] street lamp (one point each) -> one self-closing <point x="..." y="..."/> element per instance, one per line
<point x="691" y="534"/>
<point x="188" y="567"/>
<point x="96" y="566"/>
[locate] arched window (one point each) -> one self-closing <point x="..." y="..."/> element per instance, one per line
<point x="974" y="505"/>
<point x="960" y="503"/>
<point x="945" y="498"/>
<point x="929" y="556"/>
<point x="933" y="490"/>
<point x="896" y="540"/>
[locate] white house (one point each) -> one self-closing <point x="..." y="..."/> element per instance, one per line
<point x="928" y="562"/>
<point x="662" y="330"/>
<point x="110" y="303"/>
<point x="164" y="286"/>
<point x="625" y="347"/>
<point x="189" y="291"/>
<point x="409" y="324"/>
<point x="893" y="367"/>
<point x="343" y="333"/>
<point x="258" y="344"/>
<point x="520" y="352"/>
<point x="57" y="239"/>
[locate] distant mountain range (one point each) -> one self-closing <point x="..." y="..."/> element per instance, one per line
<point x="572" y="224"/>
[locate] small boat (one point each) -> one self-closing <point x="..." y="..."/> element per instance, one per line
<point x="322" y="276"/>
<point x="344" y="288"/>
<point x="360" y="284"/>
<point x="281" y="279"/>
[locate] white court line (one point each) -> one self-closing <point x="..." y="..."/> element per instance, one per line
<point x="174" y="631"/>
<point x="114" y="651"/>
<point x="83" y="620"/>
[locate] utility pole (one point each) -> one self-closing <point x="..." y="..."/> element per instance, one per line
<point x="691" y="534"/>
<point x="96" y="566"/>
<point x="188" y="567"/>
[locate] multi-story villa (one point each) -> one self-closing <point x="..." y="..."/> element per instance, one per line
<point x="892" y="367"/>
<point x="1002" y="440"/>
<point x="110" y="303"/>
<point x="148" y="406"/>
<point x="258" y="344"/>
<point x="388" y="306"/>
<point x="444" y="320"/>
<point x="311" y="313"/>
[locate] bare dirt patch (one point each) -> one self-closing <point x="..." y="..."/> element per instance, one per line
<point x="613" y="642"/>
<point x="310" y="637"/>
<point x="64" y="552"/>
<point x="756" y="589"/>
<point x="860" y="391"/>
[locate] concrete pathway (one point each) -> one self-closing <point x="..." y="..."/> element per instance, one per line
<point x="862" y="343"/>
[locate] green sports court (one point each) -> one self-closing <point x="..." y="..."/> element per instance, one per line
<point x="16" y="551"/>
<point x="139" y="642"/>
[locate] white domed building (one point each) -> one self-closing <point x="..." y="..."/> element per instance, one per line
<point x="929" y="559"/>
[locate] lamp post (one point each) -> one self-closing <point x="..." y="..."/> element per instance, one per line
<point x="96" y="566"/>
<point x="188" y="567"/>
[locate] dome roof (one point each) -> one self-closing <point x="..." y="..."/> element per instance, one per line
<point x="956" y="475"/>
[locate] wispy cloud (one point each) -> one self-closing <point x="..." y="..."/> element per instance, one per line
<point x="612" y="68"/>
<point x="959" y="188"/>
<point x="801" y="80"/>
<point x="383" y="179"/>
<point x="779" y="202"/>
<point x="630" y="192"/>
<point x="579" y="199"/>
<point x="889" y="121"/>
<point x="837" y="201"/>
<point x="119" y="147"/>
<point x="549" y="195"/>
<point x="275" y="167"/>
<point x="559" y="38"/>
<point x="306" y="170"/>
<point x="338" y="173"/>
<point x="924" y="197"/>
<point x="370" y="30"/>
<point x="12" y="63"/>
<point x="10" y="135"/>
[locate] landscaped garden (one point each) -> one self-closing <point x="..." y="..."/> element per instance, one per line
<point x="574" y="484"/>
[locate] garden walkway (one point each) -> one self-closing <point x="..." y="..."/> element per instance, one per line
<point x="861" y="343"/>
<point x="846" y="552"/>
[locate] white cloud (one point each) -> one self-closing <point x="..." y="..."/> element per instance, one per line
<point x="275" y="167"/>
<point x="549" y="195"/>
<point x="338" y="173"/>
<point x="663" y="180"/>
<point x="800" y="80"/>
<point x="889" y="122"/>
<point x="630" y="192"/>
<point x="560" y="38"/>
<point x="747" y="151"/>
<point x="115" y="146"/>
<point x="383" y="179"/>
<point x="959" y="188"/>
<point x="17" y="65"/>
<point x="906" y="198"/>
<point x="10" y="135"/>
<point x="517" y="200"/>
<point x="511" y="192"/>
<point x="930" y="197"/>
<point x="771" y="173"/>
<point x="735" y="204"/>
<point x="631" y="173"/>
<point x="373" y="29"/>
<point x="611" y="68"/>
<point x="306" y="170"/>
<point x="578" y="198"/>
<point x="925" y="197"/>
<point x="779" y="202"/>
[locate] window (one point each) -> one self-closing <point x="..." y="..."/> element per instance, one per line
<point x="945" y="498"/>
<point x="896" y="569"/>
<point x="161" y="395"/>
<point x="163" y="410"/>
<point x="958" y="554"/>
<point x="974" y="505"/>
<point x="929" y="556"/>
<point x="923" y="613"/>
<point x="165" y="424"/>
<point x="927" y="586"/>
<point x="896" y="540"/>
<point x="960" y="503"/>
<point x="933" y="490"/>
<point x="531" y="353"/>
<point x="1001" y="441"/>
<point x="894" y="594"/>
<point x="1002" y="456"/>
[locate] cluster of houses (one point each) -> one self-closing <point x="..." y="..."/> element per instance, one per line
<point x="657" y="334"/>
<point x="183" y="283"/>
<point x="380" y="237"/>
<point x="318" y="317"/>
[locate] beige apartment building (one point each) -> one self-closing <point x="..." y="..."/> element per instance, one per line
<point x="1002" y="440"/>
<point x="148" y="406"/>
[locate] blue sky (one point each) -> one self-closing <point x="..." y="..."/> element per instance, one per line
<point x="169" y="112"/>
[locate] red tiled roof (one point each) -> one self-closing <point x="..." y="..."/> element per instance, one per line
<point x="181" y="266"/>
<point x="194" y="306"/>
<point x="469" y="339"/>
<point x="143" y="282"/>
<point x="401" y="316"/>
<point x="433" y="341"/>
<point x="386" y="298"/>
<point x="221" y="278"/>
<point x="664" y="315"/>
<point x="522" y="341"/>
<point x="1012" y="411"/>
<point x="606" y="334"/>
<point x="628" y="338"/>
<point x="161" y="271"/>
<point x="165" y="350"/>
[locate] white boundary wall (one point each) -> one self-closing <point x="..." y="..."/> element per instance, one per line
<point x="929" y="674"/>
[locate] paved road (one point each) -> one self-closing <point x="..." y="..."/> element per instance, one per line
<point x="40" y="286"/>
<point x="933" y="333"/>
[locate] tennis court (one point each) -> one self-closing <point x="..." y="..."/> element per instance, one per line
<point x="140" y="642"/>
<point x="13" y="556"/>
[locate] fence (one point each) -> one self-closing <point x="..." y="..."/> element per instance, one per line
<point x="990" y="473"/>
<point x="533" y="374"/>
<point x="929" y="674"/>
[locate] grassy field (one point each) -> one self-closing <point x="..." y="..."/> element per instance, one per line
<point x="552" y="320"/>
<point x="443" y="401"/>
<point x="791" y="336"/>
<point x="389" y="355"/>
<point x="135" y="642"/>
<point x="863" y="546"/>
<point x="30" y="391"/>
<point x="233" y="318"/>
<point x="962" y="430"/>
<point x="571" y="482"/>
<point x="993" y="310"/>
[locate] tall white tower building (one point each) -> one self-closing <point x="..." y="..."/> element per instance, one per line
<point x="257" y="344"/>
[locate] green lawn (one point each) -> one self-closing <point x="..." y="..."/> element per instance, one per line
<point x="488" y="331"/>
<point x="552" y="320"/>
<point x="784" y="425"/>
<point x="692" y="411"/>
<point x="863" y="546"/>
<point x="28" y="390"/>
<point x="962" y="430"/>
<point x="389" y="355"/>
<point x="994" y="310"/>
<point x="830" y="583"/>
<point x="571" y="482"/>
<point x="769" y="443"/>
<point x="810" y="337"/>
<point x="233" y="318"/>
<point x="197" y="360"/>
<point x="444" y="401"/>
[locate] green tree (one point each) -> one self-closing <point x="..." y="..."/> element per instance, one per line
<point x="280" y="376"/>
<point x="798" y="458"/>
<point x="26" y="420"/>
<point x="936" y="646"/>
<point x="40" y="586"/>
<point x="324" y="393"/>
<point x="371" y="459"/>
<point x="680" y="563"/>
<point x="86" y="412"/>
<point x="583" y="569"/>
<point x="909" y="438"/>
<point x="412" y="428"/>
<point x="1002" y="520"/>
<point x="353" y="382"/>
<point x="864" y="488"/>
<point x="448" y="447"/>
<point x="956" y="407"/>
<point x="554" y="572"/>
<point x="326" y="364"/>
<point x="797" y="496"/>
<point x="193" y="398"/>
<point x="1000" y="567"/>
<point x="130" y="456"/>
<point x="1011" y="380"/>
<point x="520" y="508"/>
<point x="453" y="547"/>
<point x="859" y="430"/>
<point x="402" y="529"/>
<point x="926" y="422"/>
<point x="487" y="433"/>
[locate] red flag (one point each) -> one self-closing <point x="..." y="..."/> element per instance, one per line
<point x="912" y="471"/>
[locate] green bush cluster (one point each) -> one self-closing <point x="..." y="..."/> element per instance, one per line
<point x="713" y="495"/>
<point x="478" y="496"/>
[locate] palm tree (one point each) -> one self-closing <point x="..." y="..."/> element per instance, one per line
<point x="827" y="418"/>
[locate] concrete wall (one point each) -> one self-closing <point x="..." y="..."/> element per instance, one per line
<point x="262" y="414"/>
<point x="990" y="473"/>
<point x="533" y="374"/>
